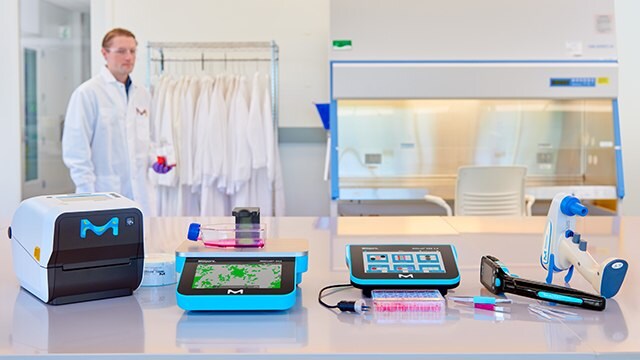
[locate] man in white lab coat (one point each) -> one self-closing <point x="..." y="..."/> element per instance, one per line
<point x="106" y="143"/>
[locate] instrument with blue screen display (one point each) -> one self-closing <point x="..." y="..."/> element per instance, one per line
<point x="403" y="267"/>
<point x="497" y="279"/>
<point x="247" y="278"/>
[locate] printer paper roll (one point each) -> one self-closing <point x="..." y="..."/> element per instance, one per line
<point x="159" y="270"/>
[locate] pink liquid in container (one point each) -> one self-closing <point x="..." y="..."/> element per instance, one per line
<point x="408" y="300"/>
<point x="228" y="235"/>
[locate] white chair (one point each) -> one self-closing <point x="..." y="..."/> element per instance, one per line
<point x="489" y="191"/>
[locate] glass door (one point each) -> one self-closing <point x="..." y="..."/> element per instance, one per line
<point x="55" y="40"/>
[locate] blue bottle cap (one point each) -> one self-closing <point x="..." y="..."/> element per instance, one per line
<point x="194" y="231"/>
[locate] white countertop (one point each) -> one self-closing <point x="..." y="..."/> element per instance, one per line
<point x="149" y="322"/>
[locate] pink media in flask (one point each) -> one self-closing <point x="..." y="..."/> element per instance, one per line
<point x="228" y="235"/>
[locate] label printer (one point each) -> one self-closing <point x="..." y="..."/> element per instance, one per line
<point x="78" y="247"/>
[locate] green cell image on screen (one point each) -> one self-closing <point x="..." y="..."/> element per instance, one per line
<point x="257" y="276"/>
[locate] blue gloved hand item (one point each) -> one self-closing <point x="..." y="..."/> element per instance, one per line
<point x="161" y="168"/>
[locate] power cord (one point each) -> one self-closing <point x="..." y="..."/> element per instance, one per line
<point x="357" y="306"/>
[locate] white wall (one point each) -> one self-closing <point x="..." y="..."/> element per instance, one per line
<point x="299" y="27"/>
<point x="628" y="28"/>
<point x="305" y="192"/>
<point x="10" y="110"/>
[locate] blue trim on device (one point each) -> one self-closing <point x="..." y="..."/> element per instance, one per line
<point x="550" y="266"/>
<point x="612" y="277"/>
<point x="240" y="302"/>
<point x="544" y="258"/>
<point x="301" y="266"/>
<point x="335" y="188"/>
<point x="236" y="302"/>
<point x="180" y="263"/>
<point x="617" y="142"/>
<point x="397" y="282"/>
<point x="333" y="131"/>
<point x="426" y="282"/>
<point x="569" y="275"/>
<point x="474" y="61"/>
<point x="557" y="297"/>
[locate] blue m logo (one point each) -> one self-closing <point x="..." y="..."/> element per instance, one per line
<point x="85" y="225"/>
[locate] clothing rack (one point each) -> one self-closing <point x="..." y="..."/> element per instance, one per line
<point x="161" y="52"/>
<point x="226" y="52"/>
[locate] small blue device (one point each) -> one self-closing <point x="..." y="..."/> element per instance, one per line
<point x="235" y="279"/>
<point x="403" y="267"/>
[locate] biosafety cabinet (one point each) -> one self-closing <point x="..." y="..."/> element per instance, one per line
<point x="420" y="88"/>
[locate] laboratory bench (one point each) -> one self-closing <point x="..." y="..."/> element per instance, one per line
<point x="150" y="324"/>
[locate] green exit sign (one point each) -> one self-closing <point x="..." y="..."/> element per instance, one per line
<point x="342" y="44"/>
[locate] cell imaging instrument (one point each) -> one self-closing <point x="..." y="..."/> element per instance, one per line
<point x="247" y="278"/>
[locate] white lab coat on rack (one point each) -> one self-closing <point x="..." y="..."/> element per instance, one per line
<point x="200" y="131"/>
<point x="273" y="154"/>
<point x="260" y="191"/>
<point x="164" y="123"/>
<point x="255" y="129"/>
<point x="157" y="107"/>
<point x="240" y="154"/>
<point x="176" y="192"/>
<point x="230" y="84"/>
<point x="220" y="163"/>
<point x="168" y="199"/>
<point x="210" y="153"/>
<point x="220" y="132"/>
<point x="188" y="201"/>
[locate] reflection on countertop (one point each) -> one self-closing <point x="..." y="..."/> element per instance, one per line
<point x="243" y="332"/>
<point x="155" y="297"/>
<point x="89" y="327"/>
